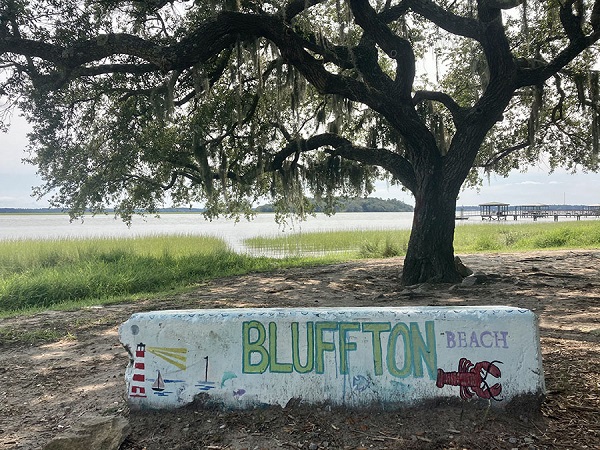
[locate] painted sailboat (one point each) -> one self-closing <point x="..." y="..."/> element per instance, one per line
<point x="159" y="383"/>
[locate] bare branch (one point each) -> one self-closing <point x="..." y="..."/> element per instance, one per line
<point x="286" y="134"/>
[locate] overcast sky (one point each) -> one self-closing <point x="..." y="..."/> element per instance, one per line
<point x="535" y="186"/>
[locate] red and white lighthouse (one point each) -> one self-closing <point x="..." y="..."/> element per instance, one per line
<point x="137" y="386"/>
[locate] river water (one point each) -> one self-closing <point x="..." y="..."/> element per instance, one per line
<point x="58" y="226"/>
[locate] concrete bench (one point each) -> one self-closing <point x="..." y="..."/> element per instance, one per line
<point x="342" y="356"/>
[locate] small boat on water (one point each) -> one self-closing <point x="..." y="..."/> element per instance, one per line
<point x="159" y="383"/>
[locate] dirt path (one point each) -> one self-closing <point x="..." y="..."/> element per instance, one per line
<point x="48" y="388"/>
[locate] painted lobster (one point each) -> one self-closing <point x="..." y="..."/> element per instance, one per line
<point x="472" y="379"/>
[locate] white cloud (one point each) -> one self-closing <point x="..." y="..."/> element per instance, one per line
<point x="14" y="144"/>
<point x="538" y="186"/>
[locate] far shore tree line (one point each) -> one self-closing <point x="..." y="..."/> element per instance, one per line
<point x="369" y="204"/>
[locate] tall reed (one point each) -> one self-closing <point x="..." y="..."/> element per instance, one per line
<point x="48" y="273"/>
<point x="527" y="236"/>
<point x="482" y="237"/>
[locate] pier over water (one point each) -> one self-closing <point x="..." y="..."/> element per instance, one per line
<point x="503" y="211"/>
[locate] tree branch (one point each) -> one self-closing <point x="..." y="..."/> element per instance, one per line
<point x="394" y="46"/>
<point x="595" y="16"/>
<point x="497" y="157"/>
<point x="528" y="77"/>
<point x="200" y="46"/>
<point x="365" y="57"/>
<point x="338" y="55"/>
<point x="571" y="23"/>
<point x="446" y="20"/>
<point x="135" y="69"/>
<point x="295" y="7"/>
<point x="578" y="41"/>
<point x="396" y="164"/>
<point x="393" y="13"/>
<point x="458" y="113"/>
<point x="503" y="4"/>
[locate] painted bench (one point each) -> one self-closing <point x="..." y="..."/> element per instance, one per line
<point x="394" y="356"/>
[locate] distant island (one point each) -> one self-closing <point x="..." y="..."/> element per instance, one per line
<point x="31" y="211"/>
<point x="369" y="204"/>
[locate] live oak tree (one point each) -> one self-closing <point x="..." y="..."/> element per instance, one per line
<point x="134" y="104"/>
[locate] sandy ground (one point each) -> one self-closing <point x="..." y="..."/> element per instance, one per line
<point x="47" y="388"/>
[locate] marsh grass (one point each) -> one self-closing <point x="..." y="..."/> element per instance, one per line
<point x="471" y="238"/>
<point x="42" y="274"/>
<point x="527" y="236"/>
<point x="353" y="244"/>
<point x="73" y="273"/>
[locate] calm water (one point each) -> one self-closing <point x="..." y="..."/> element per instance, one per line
<point x="57" y="226"/>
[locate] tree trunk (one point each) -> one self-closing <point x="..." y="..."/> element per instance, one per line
<point x="430" y="253"/>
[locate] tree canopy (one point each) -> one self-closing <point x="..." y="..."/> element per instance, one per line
<point x="138" y="103"/>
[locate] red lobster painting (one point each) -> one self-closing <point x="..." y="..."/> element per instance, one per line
<point x="472" y="379"/>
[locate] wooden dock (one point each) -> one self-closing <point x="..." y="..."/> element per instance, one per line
<point x="503" y="211"/>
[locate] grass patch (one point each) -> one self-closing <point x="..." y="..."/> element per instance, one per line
<point x="349" y="244"/>
<point x="30" y="337"/>
<point x="501" y="237"/>
<point x="44" y="274"/>
<point x="471" y="238"/>
<point x="62" y="274"/>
